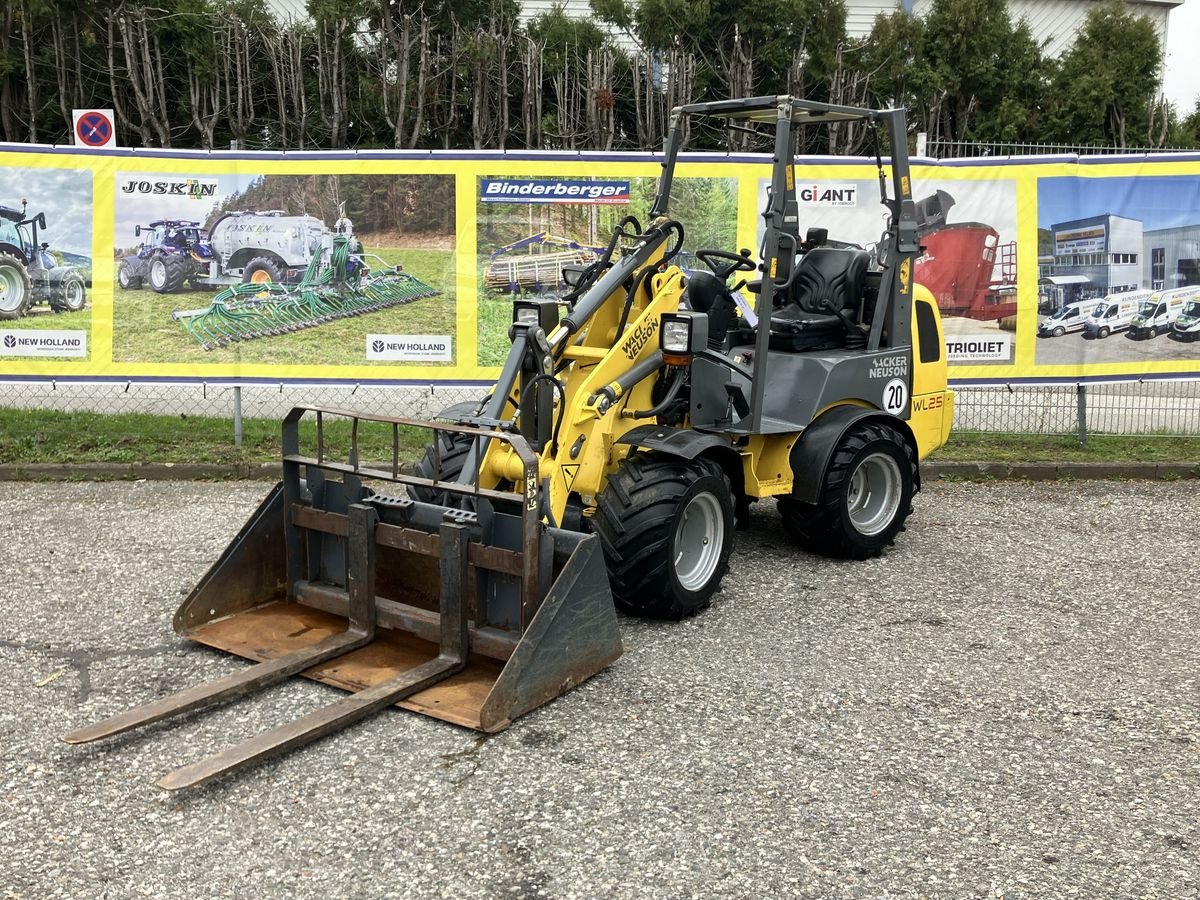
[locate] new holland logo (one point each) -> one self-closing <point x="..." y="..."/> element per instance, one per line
<point x="37" y="342"/>
<point x="193" y="188"/>
<point x="409" y="347"/>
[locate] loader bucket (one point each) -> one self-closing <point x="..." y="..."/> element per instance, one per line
<point x="473" y="617"/>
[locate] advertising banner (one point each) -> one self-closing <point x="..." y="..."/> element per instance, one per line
<point x="402" y="268"/>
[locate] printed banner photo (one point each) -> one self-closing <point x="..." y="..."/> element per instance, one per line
<point x="307" y="270"/>
<point x="399" y="269"/>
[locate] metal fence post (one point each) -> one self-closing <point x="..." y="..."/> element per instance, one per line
<point x="237" y="415"/>
<point x="1081" y="412"/>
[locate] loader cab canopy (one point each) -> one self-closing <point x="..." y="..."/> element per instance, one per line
<point x="815" y="294"/>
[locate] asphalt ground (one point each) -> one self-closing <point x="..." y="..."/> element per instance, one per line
<point x="1005" y="705"/>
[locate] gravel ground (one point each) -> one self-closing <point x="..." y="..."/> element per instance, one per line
<point x="1006" y="705"/>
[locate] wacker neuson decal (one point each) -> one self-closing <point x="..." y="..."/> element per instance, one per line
<point x="409" y="347"/>
<point x="550" y="190"/>
<point x="28" y="342"/>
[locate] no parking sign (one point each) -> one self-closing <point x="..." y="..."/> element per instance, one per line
<point x="94" y="128"/>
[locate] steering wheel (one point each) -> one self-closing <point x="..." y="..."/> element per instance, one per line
<point x="733" y="262"/>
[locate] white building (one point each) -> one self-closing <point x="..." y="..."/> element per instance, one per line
<point x="1057" y="21"/>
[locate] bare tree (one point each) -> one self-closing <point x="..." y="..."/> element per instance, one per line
<point x="142" y="56"/>
<point x="329" y="61"/>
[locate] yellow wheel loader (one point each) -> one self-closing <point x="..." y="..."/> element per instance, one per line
<point x="635" y="421"/>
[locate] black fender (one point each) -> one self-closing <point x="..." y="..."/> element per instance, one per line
<point x="14" y="250"/>
<point x="687" y="444"/>
<point x="814" y="448"/>
<point x="58" y="274"/>
<point x="459" y="411"/>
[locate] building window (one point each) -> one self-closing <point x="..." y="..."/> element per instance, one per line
<point x="1158" y="268"/>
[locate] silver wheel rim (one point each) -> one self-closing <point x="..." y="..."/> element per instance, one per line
<point x="12" y="289"/>
<point x="74" y="296"/>
<point x="874" y="494"/>
<point x="158" y="273"/>
<point x="698" y="541"/>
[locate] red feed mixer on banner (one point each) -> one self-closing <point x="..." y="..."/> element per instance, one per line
<point x="958" y="264"/>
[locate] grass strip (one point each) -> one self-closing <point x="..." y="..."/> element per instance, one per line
<point x="47" y="436"/>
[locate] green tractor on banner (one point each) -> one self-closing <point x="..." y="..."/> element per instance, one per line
<point x="634" y="423"/>
<point x="29" y="272"/>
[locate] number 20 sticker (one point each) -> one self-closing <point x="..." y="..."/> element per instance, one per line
<point x="895" y="396"/>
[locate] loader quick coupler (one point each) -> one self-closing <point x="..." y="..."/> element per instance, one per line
<point x="474" y="616"/>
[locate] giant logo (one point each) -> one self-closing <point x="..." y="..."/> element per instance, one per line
<point x="828" y="194"/>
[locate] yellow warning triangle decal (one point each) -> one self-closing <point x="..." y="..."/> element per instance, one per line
<point x="569" y="473"/>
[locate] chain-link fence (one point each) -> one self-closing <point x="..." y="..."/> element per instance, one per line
<point x="1142" y="407"/>
<point x="980" y="149"/>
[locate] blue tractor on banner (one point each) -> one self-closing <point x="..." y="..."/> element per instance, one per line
<point x="174" y="252"/>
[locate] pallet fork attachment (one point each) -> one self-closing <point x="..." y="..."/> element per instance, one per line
<point x="470" y="616"/>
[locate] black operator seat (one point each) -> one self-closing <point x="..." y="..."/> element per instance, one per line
<point x="829" y="280"/>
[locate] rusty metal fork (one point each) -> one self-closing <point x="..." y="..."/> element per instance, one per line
<point x="361" y="542"/>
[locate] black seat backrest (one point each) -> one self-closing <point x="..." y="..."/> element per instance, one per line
<point x="833" y="274"/>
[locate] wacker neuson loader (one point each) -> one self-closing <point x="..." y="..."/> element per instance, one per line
<point x="608" y="468"/>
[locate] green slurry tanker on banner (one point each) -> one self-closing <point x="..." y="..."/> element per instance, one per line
<point x="334" y="282"/>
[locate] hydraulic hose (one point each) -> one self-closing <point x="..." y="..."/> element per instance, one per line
<point x="672" y="392"/>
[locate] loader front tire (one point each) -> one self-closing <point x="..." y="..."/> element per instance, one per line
<point x="443" y="464"/>
<point x="666" y="527"/>
<point x="126" y="280"/>
<point x="865" y="498"/>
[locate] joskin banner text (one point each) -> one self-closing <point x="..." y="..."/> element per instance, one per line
<point x="401" y="268"/>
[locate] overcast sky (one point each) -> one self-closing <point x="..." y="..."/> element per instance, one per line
<point x="1182" y="81"/>
<point x="138" y="208"/>
<point x="64" y="195"/>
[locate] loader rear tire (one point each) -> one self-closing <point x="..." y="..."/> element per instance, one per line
<point x="445" y="465"/>
<point x="666" y="527"/>
<point x="865" y="498"/>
